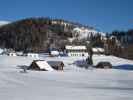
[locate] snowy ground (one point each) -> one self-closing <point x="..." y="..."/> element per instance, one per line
<point x="72" y="84"/>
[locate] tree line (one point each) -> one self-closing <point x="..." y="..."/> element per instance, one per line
<point x="32" y="34"/>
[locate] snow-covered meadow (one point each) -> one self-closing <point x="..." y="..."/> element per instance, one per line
<point x="71" y="84"/>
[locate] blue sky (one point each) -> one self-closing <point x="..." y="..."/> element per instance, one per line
<point x="105" y="15"/>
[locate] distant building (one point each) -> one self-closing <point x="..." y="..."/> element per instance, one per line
<point x="1" y="51"/>
<point x="12" y="54"/>
<point x="40" y="65"/>
<point x="54" y="53"/>
<point x="76" y="51"/>
<point x="61" y="22"/>
<point x="33" y="55"/>
<point x="19" y="53"/>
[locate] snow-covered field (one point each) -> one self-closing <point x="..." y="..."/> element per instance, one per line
<point x="71" y="84"/>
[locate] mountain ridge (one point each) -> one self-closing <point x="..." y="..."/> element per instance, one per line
<point x="39" y="33"/>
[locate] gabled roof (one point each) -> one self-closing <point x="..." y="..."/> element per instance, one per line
<point x="43" y="65"/>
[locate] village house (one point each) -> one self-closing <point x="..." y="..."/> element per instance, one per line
<point x="76" y="51"/>
<point x="57" y="65"/>
<point x="1" y="51"/>
<point x="41" y="65"/>
<point x="33" y="55"/>
<point x="12" y="54"/>
<point x="19" y="53"/>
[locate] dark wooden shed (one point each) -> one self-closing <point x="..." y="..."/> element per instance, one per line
<point x="57" y="65"/>
<point x="41" y="65"/>
<point x="104" y="65"/>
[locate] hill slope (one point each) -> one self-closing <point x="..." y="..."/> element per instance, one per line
<point x="4" y="23"/>
<point x="34" y="34"/>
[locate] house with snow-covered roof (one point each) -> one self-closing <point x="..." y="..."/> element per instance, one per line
<point x="76" y="51"/>
<point x="12" y="54"/>
<point x="41" y="65"/>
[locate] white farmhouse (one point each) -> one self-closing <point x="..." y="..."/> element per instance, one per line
<point x="33" y="55"/>
<point x="76" y="51"/>
<point x="1" y="51"/>
<point x="12" y="54"/>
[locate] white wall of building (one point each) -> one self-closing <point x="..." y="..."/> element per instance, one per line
<point x="12" y="54"/>
<point x="76" y="51"/>
<point x="33" y="55"/>
<point x="77" y="54"/>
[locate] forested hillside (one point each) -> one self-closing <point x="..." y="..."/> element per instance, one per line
<point x="35" y="34"/>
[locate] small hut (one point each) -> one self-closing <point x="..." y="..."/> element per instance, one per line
<point x="104" y="65"/>
<point x="57" y="65"/>
<point x="40" y="65"/>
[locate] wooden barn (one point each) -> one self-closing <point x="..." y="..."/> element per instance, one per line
<point x="40" y="65"/>
<point x="57" y="65"/>
<point x="104" y="65"/>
